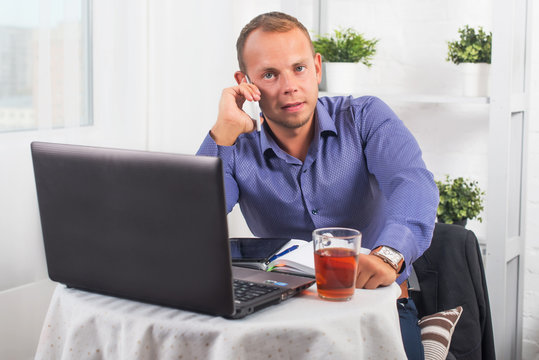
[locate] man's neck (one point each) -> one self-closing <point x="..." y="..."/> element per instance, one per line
<point x="295" y="142"/>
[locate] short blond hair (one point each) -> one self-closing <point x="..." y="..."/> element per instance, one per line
<point x="271" y="22"/>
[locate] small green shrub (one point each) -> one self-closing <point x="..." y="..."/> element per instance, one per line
<point x="459" y="199"/>
<point x="346" y="46"/>
<point x="473" y="47"/>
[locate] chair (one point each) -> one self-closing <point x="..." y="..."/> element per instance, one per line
<point x="451" y="274"/>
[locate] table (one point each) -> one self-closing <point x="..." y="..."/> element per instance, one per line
<point x="84" y="325"/>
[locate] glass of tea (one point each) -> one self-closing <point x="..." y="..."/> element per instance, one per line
<point x="336" y="252"/>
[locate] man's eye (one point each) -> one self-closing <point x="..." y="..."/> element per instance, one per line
<point x="268" y="76"/>
<point x="300" y="68"/>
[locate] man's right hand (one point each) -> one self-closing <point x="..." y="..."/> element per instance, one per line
<point x="232" y="121"/>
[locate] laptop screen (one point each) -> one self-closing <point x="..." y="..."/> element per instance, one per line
<point x="142" y="225"/>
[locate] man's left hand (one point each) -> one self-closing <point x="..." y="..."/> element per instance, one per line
<point x="374" y="272"/>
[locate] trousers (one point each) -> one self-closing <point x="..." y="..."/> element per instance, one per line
<point x="410" y="331"/>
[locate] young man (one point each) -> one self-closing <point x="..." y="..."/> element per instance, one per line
<point x="322" y="162"/>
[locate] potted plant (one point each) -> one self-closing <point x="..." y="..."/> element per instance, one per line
<point x="472" y="52"/>
<point x="460" y="199"/>
<point x="344" y="53"/>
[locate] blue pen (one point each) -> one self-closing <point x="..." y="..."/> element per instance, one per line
<point x="291" y="248"/>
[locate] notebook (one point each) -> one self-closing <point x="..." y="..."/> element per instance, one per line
<point x="145" y="226"/>
<point x="292" y="256"/>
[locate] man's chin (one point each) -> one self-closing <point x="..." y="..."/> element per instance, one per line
<point x="290" y="124"/>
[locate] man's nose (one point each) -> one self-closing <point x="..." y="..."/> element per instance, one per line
<point x="288" y="83"/>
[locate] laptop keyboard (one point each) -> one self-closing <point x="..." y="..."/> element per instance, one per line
<point x="246" y="290"/>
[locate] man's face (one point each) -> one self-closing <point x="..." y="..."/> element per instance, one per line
<point x="283" y="68"/>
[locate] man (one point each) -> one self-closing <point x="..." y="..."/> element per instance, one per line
<point x="322" y="162"/>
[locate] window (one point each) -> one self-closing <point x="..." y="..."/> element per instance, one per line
<point x="45" y="64"/>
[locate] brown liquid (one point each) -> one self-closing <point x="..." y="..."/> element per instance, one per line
<point x="335" y="272"/>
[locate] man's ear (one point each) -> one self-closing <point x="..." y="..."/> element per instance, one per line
<point x="318" y="66"/>
<point x="240" y="77"/>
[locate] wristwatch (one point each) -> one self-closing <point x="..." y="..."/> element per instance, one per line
<point x="389" y="255"/>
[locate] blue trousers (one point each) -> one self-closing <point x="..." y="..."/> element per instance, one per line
<point x="411" y="334"/>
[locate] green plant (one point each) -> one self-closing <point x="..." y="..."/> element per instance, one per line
<point x="473" y="47"/>
<point x="346" y="46"/>
<point x="459" y="199"/>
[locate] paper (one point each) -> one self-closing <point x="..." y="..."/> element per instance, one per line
<point x="299" y="261"/>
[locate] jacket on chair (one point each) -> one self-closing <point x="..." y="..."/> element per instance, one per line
<point x="451" y="273"/>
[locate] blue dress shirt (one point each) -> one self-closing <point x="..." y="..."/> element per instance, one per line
<point x="363" y="170"/>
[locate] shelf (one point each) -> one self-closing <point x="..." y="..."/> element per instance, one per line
<point x="422" y="98"/>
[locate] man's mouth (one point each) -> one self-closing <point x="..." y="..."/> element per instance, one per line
<point x="293" y="106"/>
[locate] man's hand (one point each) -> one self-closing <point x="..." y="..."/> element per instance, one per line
<point x="232" y="121"/>
<point x="374" y="272"/>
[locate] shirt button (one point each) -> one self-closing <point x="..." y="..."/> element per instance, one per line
<point x="314" y="211"/>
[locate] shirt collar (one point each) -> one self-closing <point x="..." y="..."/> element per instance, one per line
<point x="325" y="124"/>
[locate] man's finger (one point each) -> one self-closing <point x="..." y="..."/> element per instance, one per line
<point x="247" y="91"/>
<point x="372" y="283"/>
<point x="362" y="279"/>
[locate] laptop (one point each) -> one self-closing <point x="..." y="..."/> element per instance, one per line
<point x="146" y="226"/>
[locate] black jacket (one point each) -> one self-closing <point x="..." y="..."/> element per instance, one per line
<point x="450" y="274"/>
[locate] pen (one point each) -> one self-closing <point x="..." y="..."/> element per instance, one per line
<point x="291" y="248"/>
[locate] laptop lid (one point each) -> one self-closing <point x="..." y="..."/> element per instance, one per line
<point x="142" y="225"/>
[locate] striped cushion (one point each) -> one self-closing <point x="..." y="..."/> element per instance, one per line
<point x="436" y="332"/>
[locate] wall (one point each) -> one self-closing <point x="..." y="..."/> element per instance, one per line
<point x="191" y="57"/>
<point x="530" y="346"/>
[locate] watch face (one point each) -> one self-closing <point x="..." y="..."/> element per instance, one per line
<point x="390" y="254"/>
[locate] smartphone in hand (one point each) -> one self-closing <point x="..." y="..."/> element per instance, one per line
<point x="252" y="108"/>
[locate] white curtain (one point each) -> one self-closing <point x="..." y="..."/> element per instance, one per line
<point x="120" y="120"/>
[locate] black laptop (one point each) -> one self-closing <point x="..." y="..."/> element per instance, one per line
<point x="146" y="226"/>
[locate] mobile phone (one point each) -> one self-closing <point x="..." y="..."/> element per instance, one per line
<point x="252" y="108"/>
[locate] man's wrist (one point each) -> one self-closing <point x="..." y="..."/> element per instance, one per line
<point x="391" y="257"/>
<point x="227" y="140"/>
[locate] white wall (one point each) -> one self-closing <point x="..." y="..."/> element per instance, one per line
<point x="530" y="346"/>
<point x="191" y="58"/>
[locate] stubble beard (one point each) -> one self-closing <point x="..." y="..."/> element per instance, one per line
<point x="292" y="124"/>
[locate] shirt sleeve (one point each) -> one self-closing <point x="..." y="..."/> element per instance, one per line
<point x="395" y="159"/>
<point x="226" y="153"/>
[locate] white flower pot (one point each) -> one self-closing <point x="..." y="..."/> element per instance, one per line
<point x="344" y="78"/>
<point x="475" y="79"/>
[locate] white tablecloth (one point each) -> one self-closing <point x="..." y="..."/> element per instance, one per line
<point x="83" y="325"/>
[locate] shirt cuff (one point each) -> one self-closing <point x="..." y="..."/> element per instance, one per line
<point x="210" y="148"/>
<point x="400" y="238"/>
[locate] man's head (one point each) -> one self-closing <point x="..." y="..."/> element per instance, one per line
<point x="269" y="22"/>
<point x="276" y="53"/>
